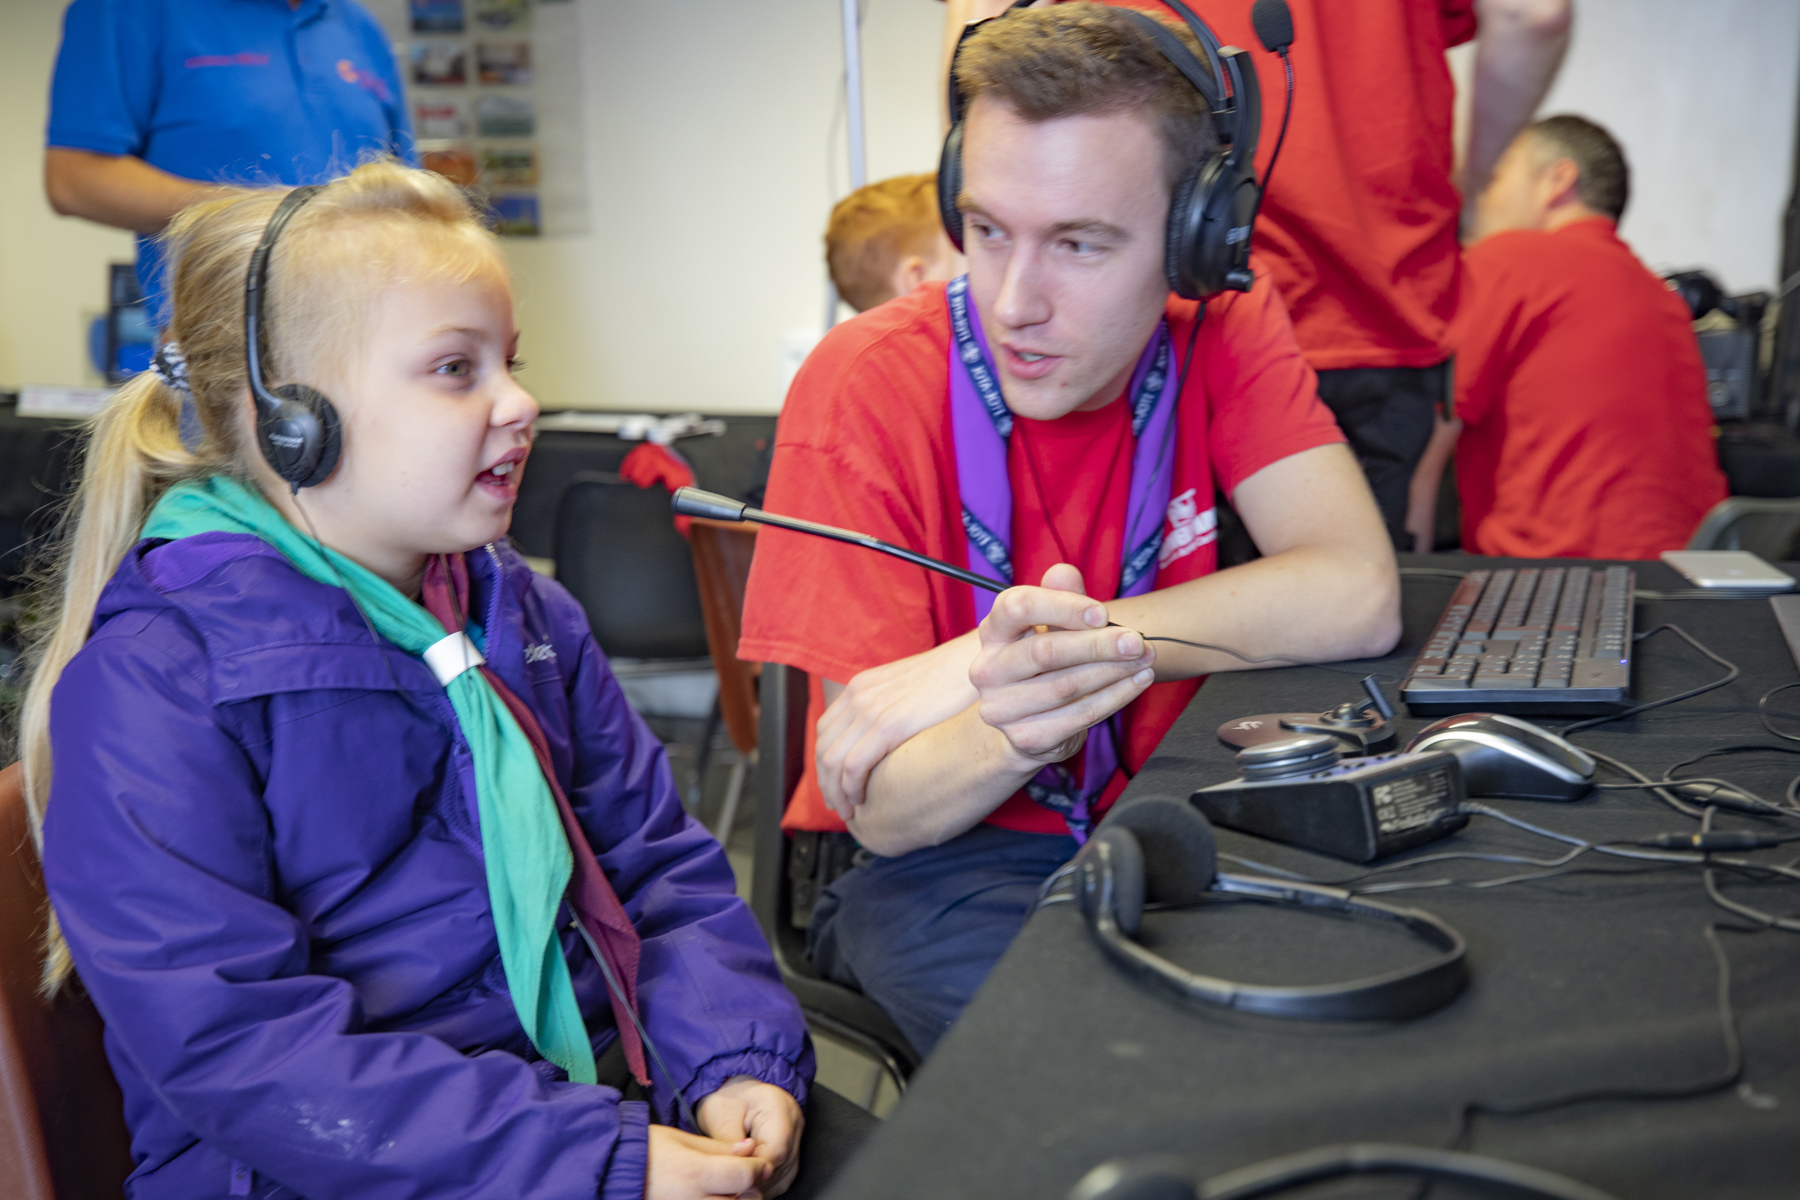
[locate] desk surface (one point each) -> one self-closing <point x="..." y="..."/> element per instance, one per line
<point x="1601" y="978"/>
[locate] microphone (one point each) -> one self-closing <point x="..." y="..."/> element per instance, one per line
<point x="692" y="502"/>
<point x="1274" y="25"/>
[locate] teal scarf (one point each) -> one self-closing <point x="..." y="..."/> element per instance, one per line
<point x="527" y="855"/>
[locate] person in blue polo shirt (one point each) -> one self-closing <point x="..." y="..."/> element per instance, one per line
<point x="154" y="102"/>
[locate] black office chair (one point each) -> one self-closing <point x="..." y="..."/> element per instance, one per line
<point x="1764" y="527"/>
<point x="840" y="1012"/>
<point x="618" y="553"/>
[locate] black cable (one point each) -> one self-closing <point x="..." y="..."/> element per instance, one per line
<point x="1731" y="674"/>
<point x="1286" y="112"/>
<point x="1762" y="714"/>
<point x="1723" y="1081"/>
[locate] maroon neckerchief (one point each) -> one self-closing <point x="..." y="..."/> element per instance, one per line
<point x="590" y="894"/>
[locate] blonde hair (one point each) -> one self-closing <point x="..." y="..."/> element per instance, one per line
<point x="382" y="225"/>
<point x="872" y="229"/>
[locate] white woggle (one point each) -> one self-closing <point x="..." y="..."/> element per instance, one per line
<point x="452" y="656"/>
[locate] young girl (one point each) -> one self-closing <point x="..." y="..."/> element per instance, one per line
<point x="365" y="920"/>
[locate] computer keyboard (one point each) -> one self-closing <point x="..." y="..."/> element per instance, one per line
<point x="1530" y="641"/>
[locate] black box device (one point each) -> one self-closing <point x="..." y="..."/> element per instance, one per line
<point x="1298" y="792"/>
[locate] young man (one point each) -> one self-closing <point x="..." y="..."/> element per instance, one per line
<point x="1358" y="229"/>
<point x="1581" y="425"/>
<point x="884" y="240"/>
<point x="1055" y="418"/>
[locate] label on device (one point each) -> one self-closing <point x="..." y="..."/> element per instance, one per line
<point x="1411" y="802"/>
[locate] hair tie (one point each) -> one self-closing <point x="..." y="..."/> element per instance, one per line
<point x="171" y="368"/>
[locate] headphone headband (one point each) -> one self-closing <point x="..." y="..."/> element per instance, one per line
<point x="1112" y="880"/>
<point x="296" y="426"/>
<point x="256" y="281"/>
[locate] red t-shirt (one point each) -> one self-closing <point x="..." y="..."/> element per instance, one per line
<point x="1360" y="227"/>
<point x="864" y="442"/>
<point x="1583" y="399"/>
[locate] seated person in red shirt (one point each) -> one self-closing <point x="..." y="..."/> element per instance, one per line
<point x="884" y="240"/>
<point x="1581" y="427"/>
<point x="1056" y="417"/>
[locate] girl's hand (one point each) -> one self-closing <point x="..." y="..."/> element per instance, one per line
<point x="749" y="1108"/>
<point x="686" y="1166"/>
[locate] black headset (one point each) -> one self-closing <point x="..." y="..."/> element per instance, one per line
<point x="296" y="425"/>
<point x="1161" y="849"/>
<point x="1165" y="1177"/>
<point x="1207" y="247"/>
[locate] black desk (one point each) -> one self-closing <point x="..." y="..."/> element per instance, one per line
<point x="1579" y="982"/>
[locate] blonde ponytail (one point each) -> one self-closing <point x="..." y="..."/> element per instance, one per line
<point x="133" y="452"/>
<point x="380" y="225"/>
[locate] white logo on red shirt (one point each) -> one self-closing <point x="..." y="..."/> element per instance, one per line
<point x="1188" y="530"/>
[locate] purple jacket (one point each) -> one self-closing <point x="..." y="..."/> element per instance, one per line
<point x="262" y="844"/>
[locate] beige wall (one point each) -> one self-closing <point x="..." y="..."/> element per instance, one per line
<point x="711" y="174"/>
<point x="708" y="148"/>
<point x="52" y="269"/>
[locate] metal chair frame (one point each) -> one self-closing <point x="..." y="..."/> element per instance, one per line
<point x="843" y="1013"/>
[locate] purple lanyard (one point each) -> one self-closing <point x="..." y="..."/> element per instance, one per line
<point x="980" y="425"/>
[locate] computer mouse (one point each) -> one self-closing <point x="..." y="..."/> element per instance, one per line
<point x="1509" y="759"/>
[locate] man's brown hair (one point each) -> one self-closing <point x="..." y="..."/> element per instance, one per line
<point x="873" y="228"/>
<point x="1602" y="179"/>
<point x="1075" y="59"/>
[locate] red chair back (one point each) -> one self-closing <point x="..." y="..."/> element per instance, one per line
<point x="62" y="1120"/>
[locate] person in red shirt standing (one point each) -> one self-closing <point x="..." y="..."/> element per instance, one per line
<point x="1052" y="417"/>
<point x="1581" y="427"/>
<point x="1358" y="229"/>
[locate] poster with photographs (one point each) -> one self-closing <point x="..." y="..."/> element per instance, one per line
<point x="439" y="115"/>
<point x="436" y="16"/>
<point x="503" y="64"/>
<point x="516" y="213"/>
<point x="440" y="64"/>
<point x="504" y="116"/>
<point x="455" y="161"/>
<point x="495" y="92"/>
<point x="510" y="166"/>
<point x="502" y="16"/>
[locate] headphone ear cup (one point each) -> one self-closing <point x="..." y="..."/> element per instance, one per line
<point x="1127" y="860"/>
<point x="301" y="438"/>
<point x="1185" y="218"/>
<point x="949" y="185"/>
<point x="1173" y="841"/>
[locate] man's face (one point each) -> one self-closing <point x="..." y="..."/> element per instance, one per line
<point x="1064" y="227"/>
<point x="1518" y="196"/>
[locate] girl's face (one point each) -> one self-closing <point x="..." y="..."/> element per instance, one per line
<point x="435" y="431"/>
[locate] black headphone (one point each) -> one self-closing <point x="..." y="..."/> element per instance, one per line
<point x="296" y="425"/>
<point x="1207" y="246"/>
<point x="1163" y="1177"/>
<point x="1162" y="849"/>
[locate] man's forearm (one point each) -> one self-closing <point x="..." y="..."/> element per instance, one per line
<point x="1517" y="54"/>
<point x="1310" y="604"/>
<point x="965" y="766"/>
<point x="117" y="190"/>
